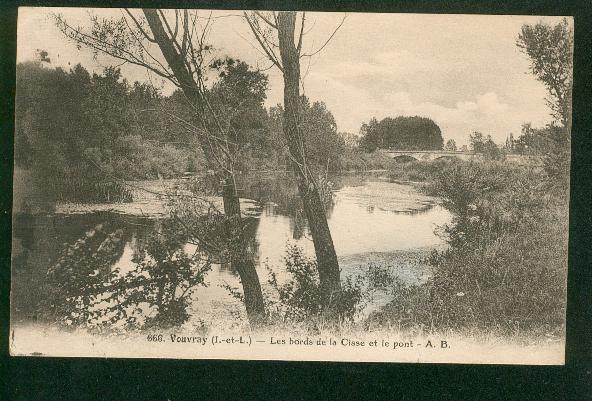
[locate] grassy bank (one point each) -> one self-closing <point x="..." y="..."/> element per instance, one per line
<point x="417" y="171"/>
<point x="506" y="265"/>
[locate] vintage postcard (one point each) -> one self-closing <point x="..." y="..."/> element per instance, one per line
<point x="291" y="185"/>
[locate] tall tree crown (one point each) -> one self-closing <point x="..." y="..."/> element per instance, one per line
<point x="550" y="50"/>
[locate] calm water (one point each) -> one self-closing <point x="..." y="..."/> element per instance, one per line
<point x="371" y="220"/>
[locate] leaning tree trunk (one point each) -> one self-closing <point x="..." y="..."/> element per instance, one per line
<point x="313" y="207"/>
<point x="240" y="260"/>
<point x="246" y="269"/>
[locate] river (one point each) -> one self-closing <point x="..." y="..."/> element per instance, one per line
<point x="372" y="220"/>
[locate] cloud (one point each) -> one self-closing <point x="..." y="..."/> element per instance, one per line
<point x="392" y="64"/>
<point x="485" y="112"/>
<point x="490" y="105"/>
<point x="484" y="106"/>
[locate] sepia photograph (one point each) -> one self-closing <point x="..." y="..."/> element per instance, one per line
<point x="291" y="185"/>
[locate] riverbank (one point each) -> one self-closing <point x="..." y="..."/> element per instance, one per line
<point x="151" y="198"/>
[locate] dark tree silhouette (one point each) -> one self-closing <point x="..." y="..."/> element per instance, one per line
<point x="401" y="133"/>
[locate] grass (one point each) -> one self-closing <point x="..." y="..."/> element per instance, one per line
<point x="418" y="171"/>
<point x="505" y="269"/>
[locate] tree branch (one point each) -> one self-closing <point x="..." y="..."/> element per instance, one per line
<point x="144" y="33"/>
<point x="327" y="41"/>
<point x="299" y="47"/>
<point x="262" y="42"/>
<point x="268" y="22"/>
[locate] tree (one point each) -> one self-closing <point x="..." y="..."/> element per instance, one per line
<point x="59" y="123"/>
<point x="370" y="139"/>
<point x="264" y="28"/>
<point x="402" y="133"/>
<point x="477" y="142"/>
<point x="352" y="141"/>
<point x="180" y="38"/>
<point x="240" y="93"/>
<point x="450" y="145"/>
<point x="510" y="143"/>
<point x="550" y="49"/>
<point x="484" y="145"/>
<point x="324" y="146"/>
<point x="533" y="141"/>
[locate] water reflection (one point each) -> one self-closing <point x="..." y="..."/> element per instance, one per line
<point x="371" y="220"/>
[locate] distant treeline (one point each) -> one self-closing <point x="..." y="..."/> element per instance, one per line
<point x="81" y="133"/>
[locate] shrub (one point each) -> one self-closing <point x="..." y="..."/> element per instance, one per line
<point x="142" y="159"/>
<point x="299" y="299"/>
<point x="505" y="268"/>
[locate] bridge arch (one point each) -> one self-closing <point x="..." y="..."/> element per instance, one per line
<point x="404" y="159"/>
<point x="430" y="155"/>
<point x="448" y="158"/>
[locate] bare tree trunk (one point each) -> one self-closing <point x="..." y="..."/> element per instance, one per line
<point x="240" y="260"/>
<point x="313" y="207"/>
<point x="246" y="269"/>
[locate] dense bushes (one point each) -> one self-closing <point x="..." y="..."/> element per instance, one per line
<point x="81" y="134"/>
<point x="505" y="268"/>
<point x="150" y="159"/>
<point x="299" y="300"/>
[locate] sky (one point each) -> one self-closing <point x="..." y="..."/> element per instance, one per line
<point x="463" y="71"/>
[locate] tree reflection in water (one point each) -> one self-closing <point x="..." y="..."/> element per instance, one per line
<point x="280" y="195"/>
<point x="85" y="290"/>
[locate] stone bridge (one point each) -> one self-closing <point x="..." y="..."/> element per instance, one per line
<point x="429" y="155"/>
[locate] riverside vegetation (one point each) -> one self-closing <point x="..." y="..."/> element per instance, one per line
<point x="505" y="267"/>
<point x="503" y="270"/>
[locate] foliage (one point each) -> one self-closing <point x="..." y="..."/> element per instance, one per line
<point x="554" y="143"/>
<point x="557" y="161"/>
<point x="450" y="145"/>
<point x="238" y="98"/>
<point x="358" y="160"/>
<point x="78" y="275"/>
<point x="351" y="141"/>
<point x="419" y="171"/>
<point x="550" y="49"/>
<point x="300" y="298"/>
<point x="81" y="134"/>
<point x="485" y="145"/>
<point x="401" y="133"/>
<point x="148" y="159"/>
<point x="164" y="278"/>
<point x="533" y="141"/>
<point x="324" y="145"/>
<point x="100" y="190"/>
<point x="505" y="269"/>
